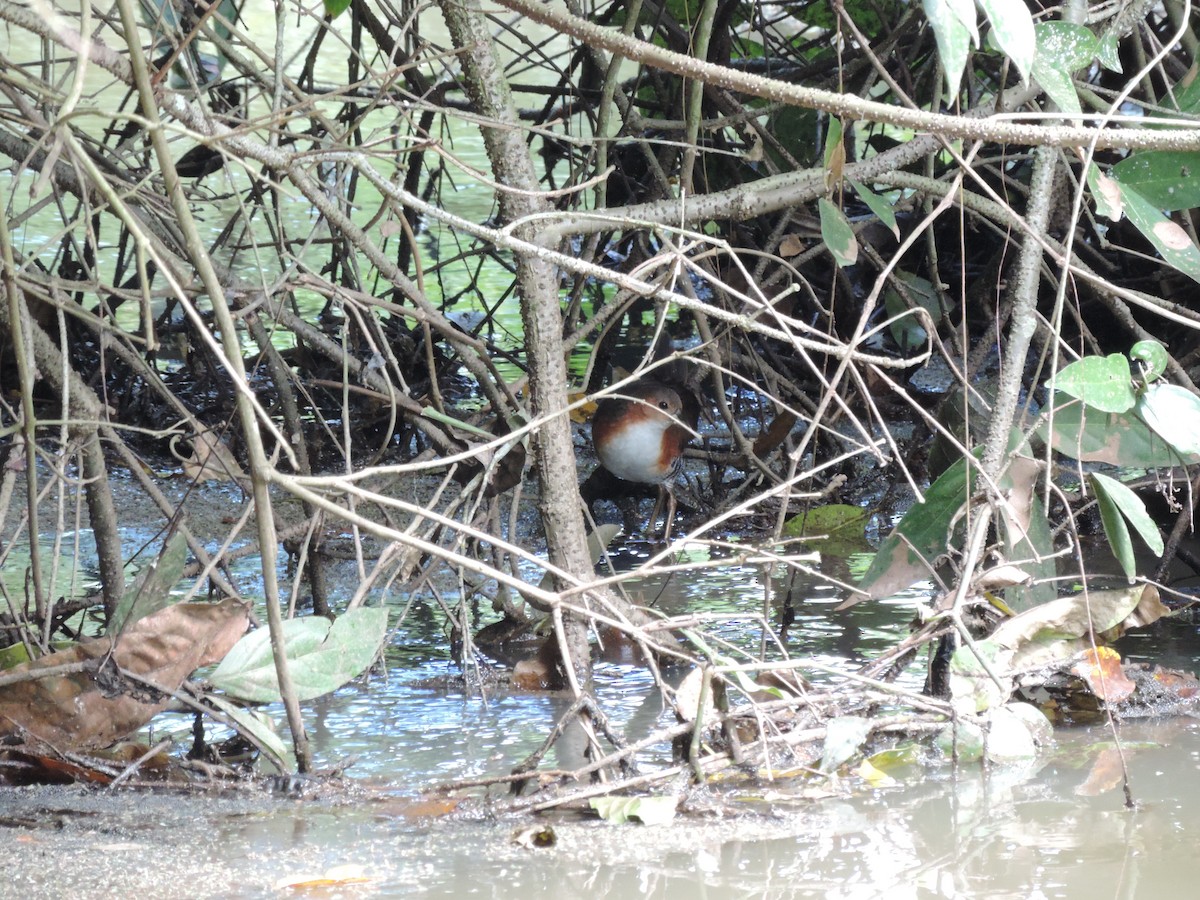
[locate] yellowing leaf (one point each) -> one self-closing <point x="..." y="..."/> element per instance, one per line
<point x="1101" y="669"/>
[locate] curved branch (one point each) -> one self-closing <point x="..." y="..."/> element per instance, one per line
<point x="851" y="106"/>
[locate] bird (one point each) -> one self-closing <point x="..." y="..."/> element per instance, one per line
<point x="639" y="435"/>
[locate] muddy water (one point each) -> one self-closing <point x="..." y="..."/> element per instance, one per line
<point x="1016" y="832"/>
<point x="1055" y="827"/>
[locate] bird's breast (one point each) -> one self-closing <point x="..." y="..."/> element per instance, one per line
<point x="637" y="451"/>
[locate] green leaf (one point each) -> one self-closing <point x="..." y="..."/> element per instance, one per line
<point x="648" y="810"/>
<point x="1109" y="52"/>
<point x="1131" y="507"/>
<point x="954" y="27"/>
<point x="1115" y="530"/>
<point x="823" y="520"/>
<point x="1027" y="533"/>
<point x="908" y="331"/>
<point x="1055" y="631"/>
<point x="1009" y="737"/>
<point x="963" y="740"/>
<point x="1102" y="382"/>
<point x="1069" y="47"/>
<point x="256" y="723"/>
<point x="1174" y="414"/>
<point x="151" y="590"/>
<point x="1012" y="29"/>
<point x="1153" y="358"/>
<point x="1185" y="95"/>
<point x="1168" y="179"/>
<point x="970" y="680"/>
<point x="1090" y="435"/>
<point x="1168" y="238"/>
<point x="13" y="655"/>
<point x="921" y="535"/>
<point x="322" y="656"/>
<point x="837" y="234"/>
<point x="1062" y="49"/>
<point x="833" y="142"/>
<point x="878" y="204"/>
<point x="1107" y="195"/>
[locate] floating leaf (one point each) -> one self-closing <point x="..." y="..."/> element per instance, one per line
<point x="1056" y="631"/>
<point x="338" y="876"/>
<point x="824" y="520"/>
<point x="648" y="810"/>
<point x="322" y="656"/>
<point x="1008" y="737"/>
<point x="873" y="776"/>
<point x="844" y="738"/>
<point x="962" y="739"/>
<point x="1100" y="668"/>
<point x="1107" y="773"/>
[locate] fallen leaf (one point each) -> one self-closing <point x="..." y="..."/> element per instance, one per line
<point x="98" y="707"/>
<point x="335" y="877"/>
<point x="1101" y="669"/>
<point x="791" y="245"/>
<point x="210" y="459"/>
<point x="1181" y="684"/>
<point x="535" y="837"/>
<point x="1106" y="773"/>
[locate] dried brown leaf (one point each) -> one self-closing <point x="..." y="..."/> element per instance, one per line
<point x="1101" y="669"/>
<point x="1106" y="774"/>
<point x="98" y="707"/>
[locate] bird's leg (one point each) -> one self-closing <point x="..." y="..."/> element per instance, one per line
<point x="667" y="496"/>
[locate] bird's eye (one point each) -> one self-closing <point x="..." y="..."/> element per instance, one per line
<point x="664" y="404"/>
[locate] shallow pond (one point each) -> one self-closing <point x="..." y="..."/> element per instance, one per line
<point x="1054" y="827"/>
